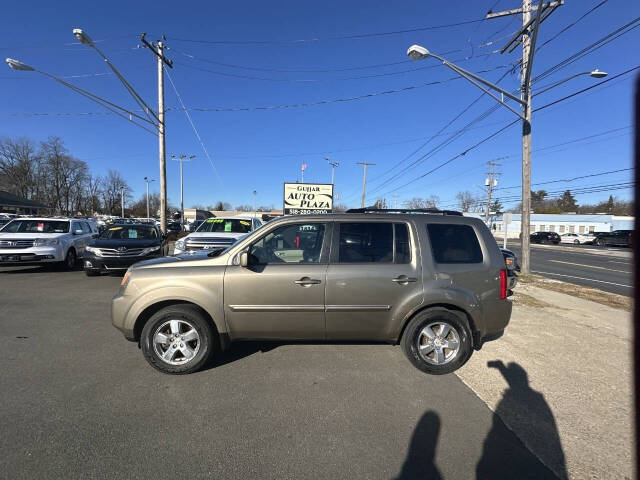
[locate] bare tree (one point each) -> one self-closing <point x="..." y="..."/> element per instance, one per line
<point x="18" y="167"/>
<point x="466" y="201"/>
<point x="111" y="192"/>
<point x="417" y="202"/>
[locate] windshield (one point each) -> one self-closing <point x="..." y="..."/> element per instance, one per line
<point x="225" y="225"/>
<point x="133" y="232"/>
<point x="36" y="226"/>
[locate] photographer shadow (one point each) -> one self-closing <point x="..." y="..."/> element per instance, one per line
<point x="526" y="412"/>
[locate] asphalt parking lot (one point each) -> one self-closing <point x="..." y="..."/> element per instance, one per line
<point x="79" y="401"/>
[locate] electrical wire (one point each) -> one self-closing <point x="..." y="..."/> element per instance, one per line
<point x="195" y="130"/>
<point x="320" y="39"/>
<point x="572" y="24"/>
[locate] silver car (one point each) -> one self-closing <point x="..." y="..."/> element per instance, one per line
<point x="434" y="282"/>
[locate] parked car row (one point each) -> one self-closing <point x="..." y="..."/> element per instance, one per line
<point x="618" y="238"/>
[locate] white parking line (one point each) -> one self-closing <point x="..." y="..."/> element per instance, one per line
<point x="582" y="278"/>
<point x="589" y="266"/>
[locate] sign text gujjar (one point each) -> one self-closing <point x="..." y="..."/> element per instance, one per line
<point x="307" y="198"/>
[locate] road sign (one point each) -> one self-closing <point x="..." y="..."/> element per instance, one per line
<point x="307" y="198"/>
<point x="506" y="218"/>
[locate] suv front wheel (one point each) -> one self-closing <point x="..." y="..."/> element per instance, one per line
<point x="178" y="339"/>
<point x="437" y="341"/>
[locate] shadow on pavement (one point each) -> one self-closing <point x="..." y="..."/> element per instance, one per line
<point x="22" y="269"/>
<point x="527" y="413"/>
<point x="420" y="461"/>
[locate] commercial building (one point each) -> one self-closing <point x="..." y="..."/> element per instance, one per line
<point x="10" y="203"/>
<point x="563" y="223"/>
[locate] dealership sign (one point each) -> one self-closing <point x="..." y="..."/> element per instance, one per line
<point x="307" y="198"/>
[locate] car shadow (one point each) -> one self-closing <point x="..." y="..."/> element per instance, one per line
<point x="20" y="269"/>
<point x="245" y="348"/>
<point x="527" y="414"/>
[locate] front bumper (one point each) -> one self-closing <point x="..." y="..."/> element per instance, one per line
<point x="32" y="255"/>
<point x="95" y="263"/>
<point x="119" y="308"/>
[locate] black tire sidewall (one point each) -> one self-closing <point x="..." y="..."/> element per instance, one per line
<point x="411" y="333"/>
<point x="197" y="320"/>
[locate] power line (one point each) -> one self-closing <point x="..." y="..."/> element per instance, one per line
<point x="195" y="130"/>
<point x="572" y="179"/>
<point x="320" y="39"/>
<point x="504" y="128"/>
<point x="572" y="24"/>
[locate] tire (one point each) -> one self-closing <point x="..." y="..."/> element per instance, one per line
<point x="70" y="260"/>
<point x="600" y="243"/>
<point x="433" y="320"/>
<point x="576" y="242"/>
<point x="189" y="319"/>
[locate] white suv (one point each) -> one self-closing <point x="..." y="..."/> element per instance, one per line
<point x="32" y="241"/>
<point x="219" y="232"/>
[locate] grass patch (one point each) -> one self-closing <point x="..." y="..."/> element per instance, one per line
<point x="520" y="298"/>
<point x="586" y="293"/>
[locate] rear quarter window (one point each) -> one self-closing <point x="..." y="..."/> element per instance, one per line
<point x="453" y="243"/>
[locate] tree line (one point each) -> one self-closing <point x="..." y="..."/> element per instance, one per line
<point x="45" y="172"/>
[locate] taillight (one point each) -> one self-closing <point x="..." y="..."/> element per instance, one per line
<point x="503" y="284"/>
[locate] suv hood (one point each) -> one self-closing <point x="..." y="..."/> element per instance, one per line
<point x="179" y="259"/>
<point x="31" y="235"/>
<point x="129" y="243"/>
<point x="234" y="235"/>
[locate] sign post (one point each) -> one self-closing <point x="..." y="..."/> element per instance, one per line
<point x="506" y="220"/>
<point x="307" y="198"/>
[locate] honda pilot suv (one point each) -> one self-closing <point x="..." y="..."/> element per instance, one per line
<point x="433" y="281"/>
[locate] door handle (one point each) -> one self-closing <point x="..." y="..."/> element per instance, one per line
<point x="306" y="282"/>
<point x="403" y="279"/>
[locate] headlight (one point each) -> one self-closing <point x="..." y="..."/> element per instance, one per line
<point x="95" y="251"/>
<point x="149" y="250"/>
<point x="180" y="245"/>
<point x="42" y="242"/>
<point x="125" y="279"/>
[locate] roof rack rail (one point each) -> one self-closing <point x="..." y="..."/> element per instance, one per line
<point x="431" y="211"/>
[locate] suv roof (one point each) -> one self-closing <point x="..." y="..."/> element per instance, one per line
<point x="431" y="211"/>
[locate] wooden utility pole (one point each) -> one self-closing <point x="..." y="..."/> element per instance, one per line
<point x="527" y="35"/>
<point x="364" y="180"/>
<point x="157" y="49"/>
<point x="490" y="182"/>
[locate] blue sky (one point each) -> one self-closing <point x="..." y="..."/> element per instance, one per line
<point x="265" y="65"/>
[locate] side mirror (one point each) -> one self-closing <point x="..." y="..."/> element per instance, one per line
<point x="244" y="259"/>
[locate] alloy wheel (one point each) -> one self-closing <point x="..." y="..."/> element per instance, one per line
<point x="438" y="343"/>
<point x="176" y="342"/>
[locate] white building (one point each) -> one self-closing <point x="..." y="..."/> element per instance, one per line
<point x="563" y="223"/>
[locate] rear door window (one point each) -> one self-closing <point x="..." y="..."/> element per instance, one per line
<point x="453" y="243"/>
<point x="366" y="242"/>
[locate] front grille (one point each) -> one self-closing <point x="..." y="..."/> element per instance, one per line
<point x="16" y="243"/>
<point x="114" y="252"/>
<point x="200" y="243"/>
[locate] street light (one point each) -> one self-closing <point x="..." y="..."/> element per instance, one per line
<point x="181" y="158"/>
<point x="18" y="65"/>
<point x="148" y="180"/>
<point x="254" y="203"/>
<point x="418" y="52"/>
<point x="593" y="74"/>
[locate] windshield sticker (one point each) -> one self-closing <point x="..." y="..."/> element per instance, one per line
<point x="244" y="222"/>
<point x="40" y="226"/>
<point x="133" y="233"/>
<point x="227" y="226"/>
<point x="115" y="228"/>
<point x="214" y="220"/>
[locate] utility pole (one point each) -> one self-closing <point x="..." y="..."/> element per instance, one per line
<point x="527" y="35"/>
<point x="395" y="200"/>
<point x="157" y="49"/>
<point x="254" y="203"/>
<point x="333" y="167"/>
<point x="364" y="180"/>
<point x="490" y="182"/>
<point x="180" y="159"/>
<point x="148" y="180"/>
<point x="122" y="189"/>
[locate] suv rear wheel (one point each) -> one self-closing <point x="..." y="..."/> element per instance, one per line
<point x="437" y="341"/>
<point x="178" y="339"/>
